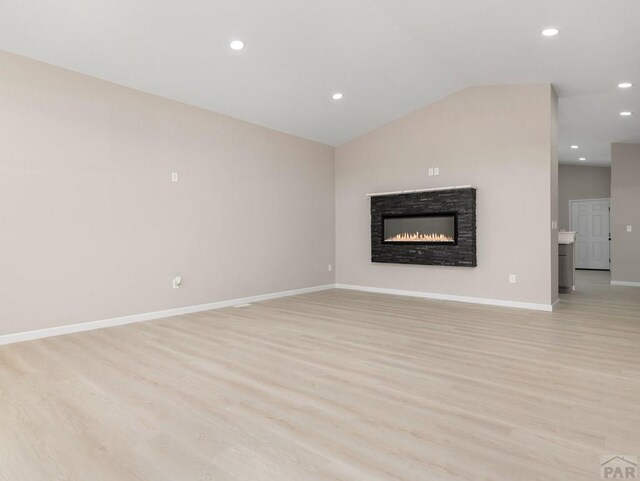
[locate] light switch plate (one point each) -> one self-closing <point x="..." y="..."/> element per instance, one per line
<point x="174" y="177"/>
<point x="629" y="228"/>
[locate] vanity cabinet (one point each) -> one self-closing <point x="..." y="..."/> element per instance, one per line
<point x="566" y="266"/>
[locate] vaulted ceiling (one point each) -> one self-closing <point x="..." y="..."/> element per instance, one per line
<point x="388" y="57"/>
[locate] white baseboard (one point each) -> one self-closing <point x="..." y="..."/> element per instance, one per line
<point x="148" y="316"/>
<point x="449" y="297"/>
<point x="625" y="283"/>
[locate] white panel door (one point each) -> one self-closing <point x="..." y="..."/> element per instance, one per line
<point x="590" y="220"/>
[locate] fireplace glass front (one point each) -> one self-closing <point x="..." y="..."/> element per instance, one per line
<point x="420" y="229"/>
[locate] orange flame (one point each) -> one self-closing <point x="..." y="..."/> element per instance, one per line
<point x="418" y="237"/>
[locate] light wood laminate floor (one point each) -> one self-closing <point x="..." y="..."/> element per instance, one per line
<point x="334" y="385"/>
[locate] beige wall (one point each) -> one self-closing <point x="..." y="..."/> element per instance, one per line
<point x="499" y="139"/>
<point x="625" y="210"/>
<point x="92" y="227"/>
<point x="553" y="235"/>
<point x="581" y="182"/>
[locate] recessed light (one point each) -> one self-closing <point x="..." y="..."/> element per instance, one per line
<point x="550" y="32"/>
<point x="625" y="85"/>
<point x="236" y="45"/>
<point x="582" y="158"/>
<point x="337" y="96"/>
<point x="626" y="114"/>
<point x="575" y="147"/>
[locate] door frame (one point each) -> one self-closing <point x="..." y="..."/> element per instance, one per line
<point x="571" y="221"/>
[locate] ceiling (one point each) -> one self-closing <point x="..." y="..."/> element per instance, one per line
<point x="389" y="57"/>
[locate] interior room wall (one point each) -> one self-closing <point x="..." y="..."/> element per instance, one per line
<point x="580" y="182"/>
<point x="93" y="228"/>
<point x="554" y="212"/>
<point x="498" y="139"/>
<point x="625" y="211"/>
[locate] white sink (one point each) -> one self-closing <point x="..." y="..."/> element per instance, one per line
<point x="566" y="237"/>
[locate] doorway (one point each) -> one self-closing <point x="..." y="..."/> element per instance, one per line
<point x="590" y="219"/>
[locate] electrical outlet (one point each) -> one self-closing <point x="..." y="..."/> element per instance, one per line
<point x="177" y="282"/>
<point x="629" y="228"/>
<point x="330" y="267"/>
<point x="430" y="172"/>
<point x="174" y="177"/>
<point x="512" y="278"/>
<point x="436" y="171"/>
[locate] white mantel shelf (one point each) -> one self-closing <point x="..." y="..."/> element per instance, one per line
<point x="435" y="189"/>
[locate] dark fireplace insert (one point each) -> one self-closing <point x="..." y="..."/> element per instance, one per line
<point x="436" y="229"/>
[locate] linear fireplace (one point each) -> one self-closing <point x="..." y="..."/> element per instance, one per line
<point x="420" y="229"/>
<point x="429" y="227"/>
